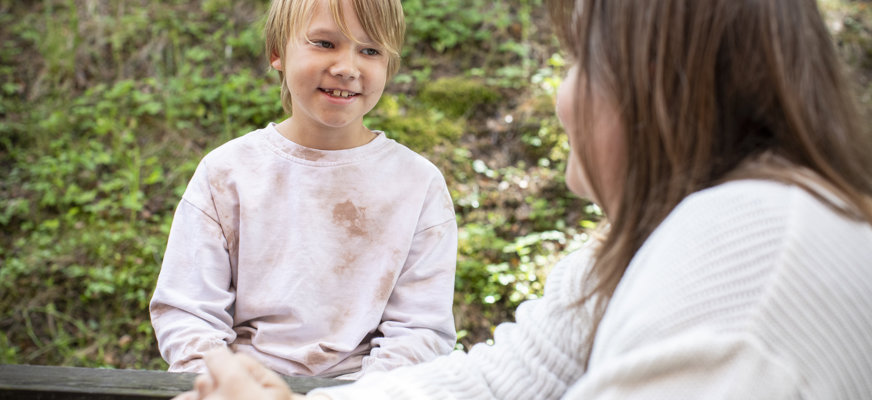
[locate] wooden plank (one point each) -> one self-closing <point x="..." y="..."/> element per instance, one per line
<point x="69" y="383"/>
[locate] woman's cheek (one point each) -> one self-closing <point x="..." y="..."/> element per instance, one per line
<point x="566" y="113"/>
<point x="566" y="106"/>
<point x="576" y="179"/>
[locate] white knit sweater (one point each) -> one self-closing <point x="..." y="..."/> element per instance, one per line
<point x="748" y="290"/>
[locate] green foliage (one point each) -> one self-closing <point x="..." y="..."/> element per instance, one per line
<point x="851" y="24"/>
<point x="106" y="109"/>
<point x="107" y="112"/>
<point x="410" y="123"/>
<point x="436" y="116"/>
<point x="444" y="24"/>
<point x="458" y="96"/>
<point x="94" y="169"/>
<point x="506" y="276"/>
<point x="497" y="41"/>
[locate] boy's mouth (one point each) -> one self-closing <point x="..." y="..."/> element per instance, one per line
<point x="344" y="94"/>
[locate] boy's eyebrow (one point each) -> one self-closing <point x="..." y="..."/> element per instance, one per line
<point x="333" y="32"/>
<point x="323" y="31"/>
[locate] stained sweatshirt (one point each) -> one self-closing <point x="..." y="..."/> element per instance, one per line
<point x="319" y="263"/>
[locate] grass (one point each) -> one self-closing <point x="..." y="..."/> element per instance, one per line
<point x="106" y="107"/>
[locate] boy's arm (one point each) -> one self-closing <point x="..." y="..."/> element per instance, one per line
<point x="418" y="323"/>
<point x="190" y="309"/>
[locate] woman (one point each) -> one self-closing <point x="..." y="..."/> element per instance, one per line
<point x="722" y="141"/>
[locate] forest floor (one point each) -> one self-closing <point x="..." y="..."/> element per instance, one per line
<point x="107" y="106"/>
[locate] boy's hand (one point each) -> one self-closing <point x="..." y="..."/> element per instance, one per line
<point x="237" y="377"/>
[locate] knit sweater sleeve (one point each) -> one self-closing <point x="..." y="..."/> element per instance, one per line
<point x="538" y="356"/>
<point x="692" y="365"/>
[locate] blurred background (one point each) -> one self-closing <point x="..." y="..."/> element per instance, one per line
<point x="106" y="107"/>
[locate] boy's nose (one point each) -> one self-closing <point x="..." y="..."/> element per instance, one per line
<point x="345" y="66"/>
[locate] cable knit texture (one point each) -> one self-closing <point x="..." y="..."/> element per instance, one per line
<point x="748" y="290"/>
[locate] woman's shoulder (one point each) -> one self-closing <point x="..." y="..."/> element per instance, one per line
<point x="745" y="203"/>
<point x="738" y="237"/>
<point x="716" y="259"/>
<point x="759" y="215"/>
<point x="740" y="196"/>
<point x="727" y="246"/>
<point x="749" y="257"/>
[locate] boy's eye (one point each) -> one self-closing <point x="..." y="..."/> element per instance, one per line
<point x="371" y="52"/>
<point x="322" y="43"/>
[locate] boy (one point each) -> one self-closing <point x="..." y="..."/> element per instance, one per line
<point x="315" y="245"/>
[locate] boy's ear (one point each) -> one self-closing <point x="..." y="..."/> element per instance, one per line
<point x="276" y="62"/>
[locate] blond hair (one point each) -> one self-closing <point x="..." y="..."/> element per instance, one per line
<point x="711" y="91"/>
<point x="382" y="20"/>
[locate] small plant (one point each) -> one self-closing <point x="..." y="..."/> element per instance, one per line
<point x="418" y="127"/>
<point x="458" y="97"/>
<point x="106" y="109"/>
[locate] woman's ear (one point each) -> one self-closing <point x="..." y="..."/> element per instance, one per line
<point x="276" y="62"/>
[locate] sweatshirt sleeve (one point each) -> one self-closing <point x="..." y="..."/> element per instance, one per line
<point x="191" y="306"/>
<point x="539" y="356"/>
<point x="418" y="322"/>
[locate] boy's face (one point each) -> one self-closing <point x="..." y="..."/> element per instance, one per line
<point x="333" y="80"/>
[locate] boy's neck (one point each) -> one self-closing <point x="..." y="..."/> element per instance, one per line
<point x="325" y="139"/>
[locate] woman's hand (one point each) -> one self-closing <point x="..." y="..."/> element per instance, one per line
<point x="237" y="377"/>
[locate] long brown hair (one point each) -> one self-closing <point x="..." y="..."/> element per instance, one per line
<point x="709" y="91"/>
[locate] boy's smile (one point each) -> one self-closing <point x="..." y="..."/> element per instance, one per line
<point x="333" y="79"/>
<point x="339" y="93"/>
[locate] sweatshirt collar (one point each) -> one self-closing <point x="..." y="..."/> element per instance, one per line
<point x="296" y="152"/>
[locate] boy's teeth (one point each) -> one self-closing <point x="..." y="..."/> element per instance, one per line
<point x="339" y="93"/>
